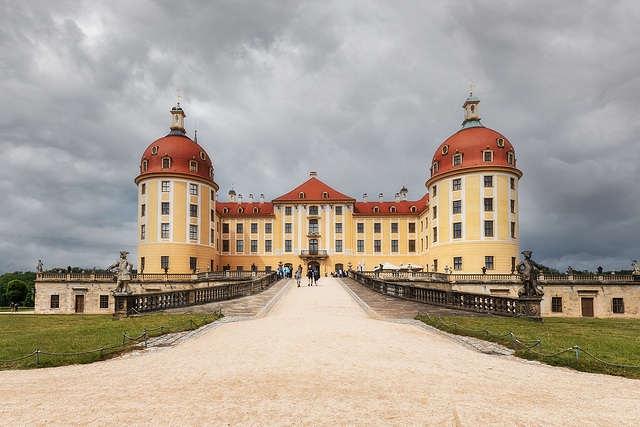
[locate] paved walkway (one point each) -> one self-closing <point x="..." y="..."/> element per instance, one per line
<point x="316" y="357"/>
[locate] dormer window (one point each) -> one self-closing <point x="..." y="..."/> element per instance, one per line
<point x="325" y="195"/>
<point x="487" y="156"/>
<point x="510" y="158"/>
<point x="166" y="163"/>
<point x="240" y="210"/>
<point x="457" y="159"/>
<point x="193" y="166"/>
<point x="145" y="165"/>
<point x="392" y="208"/>
<point x="500" y="142"/>
<point x="413" y="209"/>
<point x="376" y="209"/>
<point x="255" y="210"/>
<point x="445" y="150"/>
<point x="225" y="210"/>
<point x="211" y="173"/>
<point x="435" y="167"/>
<point x="301" y="195"/>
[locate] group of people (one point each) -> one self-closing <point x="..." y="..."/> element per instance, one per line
<point x="14" y="307"/>
<point x="313" y="275"/>
<point x="284" y="272"/>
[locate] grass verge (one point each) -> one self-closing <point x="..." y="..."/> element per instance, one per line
<point x="615" y="341"/>
<point x="22" y="334"/>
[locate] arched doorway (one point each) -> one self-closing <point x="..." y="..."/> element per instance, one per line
<point x="313" y="264"/>
<point x="288" y="264"/>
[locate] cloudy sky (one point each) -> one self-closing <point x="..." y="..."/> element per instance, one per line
<point x="362" y="92"/>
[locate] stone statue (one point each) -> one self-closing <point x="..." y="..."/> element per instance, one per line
<point x="569" y="271"/>
<point x="529" y="279"/>
<point x="39" y="267"/>
<point x="123" y="272"/>
<point x="636" y="266"/>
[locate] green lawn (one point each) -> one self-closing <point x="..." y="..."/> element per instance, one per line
<point x="22" y="334"/>
<point x="612" y="340"/>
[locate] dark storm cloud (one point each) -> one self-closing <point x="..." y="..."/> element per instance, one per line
<point x="362" y="92"/>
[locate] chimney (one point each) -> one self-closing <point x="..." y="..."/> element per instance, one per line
<point x="232" y="196"/>
<point x="381" y="198"/>
<point x="364" y="198"/>
<point x="216" y="197"/>
<point x="397" y="197"/>
<point x="239" y="198"/>
<point x="250" y="198"/>
<point x="261" y="198"/>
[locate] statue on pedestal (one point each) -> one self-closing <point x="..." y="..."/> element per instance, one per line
<point x="636" y="267"/>
<point x="529" y="279"/>
<point x="39" y="267"/>
<point x="123" y="272"/>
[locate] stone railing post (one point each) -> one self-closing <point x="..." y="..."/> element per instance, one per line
<point x="123" y="304"/>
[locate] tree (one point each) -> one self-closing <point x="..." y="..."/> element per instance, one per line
<point x="17" y="291"/>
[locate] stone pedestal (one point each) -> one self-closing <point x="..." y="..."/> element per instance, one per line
<point x="123" y="304"/>
<point x="636" y="277"/>
<point x="530" y="307"/>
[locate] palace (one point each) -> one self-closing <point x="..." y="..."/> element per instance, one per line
<point x="467" y="221"/>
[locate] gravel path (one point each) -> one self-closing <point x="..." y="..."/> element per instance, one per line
<point x="317" y="358"/>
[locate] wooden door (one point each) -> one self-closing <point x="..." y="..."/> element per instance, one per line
<point x="587" y="307"/>
<point x="79" y="303"/>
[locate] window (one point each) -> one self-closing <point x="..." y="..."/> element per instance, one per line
<point x="457" y="184"/>
<point x="435" y="212"/>
<point x="435" y="234"/>
<point x="239" y="245"/>
<point x="164" y="230"/>
<point x="488" y="181"/>
<point x="488" y="156"/>
<point x="301" y="195"/>
<point x="556" y="304"/>
<point x="143" y="209"/>
<point x="166" y="186"/>
<point x="154" y="150"/>
<point x="376" y="227"/>
<point x="412" y="227"/>
<point x="500" y="142"/>
<point x="193" y="262"/>
<point x="225" y="246"/>
<point x="445" y="149"/>
<point x="488" y="229"/>
<point x="360" y="245"/>
<point x="338" y="227"/>
<point x="239" y="228"/>
<point x="213" y="195"/>
<point x="254" y="246"/>
<point x="55" y="301"/>
<point x="412" y="245"/>
<point x="165" y="208"/>
<point x="193" y="210"/>
<point x="254" y="228"/>
<point x="313" y="226"/>
<point x="513" y="206"/>
<point x="225" y="210"/>
<point x="488" y="262"/>
<point x="193" y="166"/>
<point x="338" y="245"/>
<point x="488" y="204"/>
<point x="287" y="227"/>
<point x="435" y="167"/>
<point x="392" y="208"/>
<point x="435" y="265"/>
<point x="413" y="209"/>
<point x="338" y="210"/>
<point x="164" y="262"/>
<point x="325" y="195"/>
<point x="435" y="190"/>
<point x="143" y="189"/>
<point x="143" y="231"/>
<point x="457" y="230"/>
<point x="618" y="305"/>
<point x="394" y="227"/>
<point x="457" y="160"/>
<point x="360" y="227"/>
<point x="457" y="206"/>
<point x="104" y="301"/>
<point x="267" y="228"/>
<point x="512" y="183"/>
<point x="287" y="210"/>
<point x="225" y="227"/>
<point x="394" y="246"/>
<point x="376" y="209"/>
<point x="313" y="246"/>
<point x="267" y="245"/>
<point x="287" y="245"/>
<point x="166" y="163"/>
<point x="457" y="263"/>
<point x="513" y="230"/>
<point x="193" y="232"/>
<point x="256" y="210"/>
<point x="193" y="189"/>
<point x="510" y="158"/>
<point x="377" y="247"/>
<point x="145" y="166"/>
<point x="313" y="210"/>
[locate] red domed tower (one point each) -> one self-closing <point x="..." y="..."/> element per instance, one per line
<point x="474" y="200"/>
<point x="176" y="204"/>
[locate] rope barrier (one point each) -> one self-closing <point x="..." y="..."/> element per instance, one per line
<point x="523" y="343"/>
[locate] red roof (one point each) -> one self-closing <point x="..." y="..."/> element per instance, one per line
<point x="313" y="190"/>
<point x="244" y="209"/>
<point x="181" y="150"/>
<point x="385" y="208"/>
<point x="471" y="142"/>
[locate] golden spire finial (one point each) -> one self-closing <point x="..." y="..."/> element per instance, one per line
<point x="179" y="96"/>
<point x="471" y="86"/>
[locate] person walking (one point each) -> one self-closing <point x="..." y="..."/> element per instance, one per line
<point x="299" y="274"/>
<point x="316" y="275"/>
<point x="309" y="276"/>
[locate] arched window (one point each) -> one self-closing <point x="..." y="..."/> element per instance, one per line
<point x="145" y="165"/>
<point x="376" y="209"/>
<point x="325" y="195"/>
<point x="435" y="167"/>
<point x="413" y="209"/>
<point x="240" y="210"/>
<point x="211" y="174"/>
<point x="256" y="210"/>
<point x="301" y="195"/>
<point x="392" y="208"/>
<point x="510" y="158"/>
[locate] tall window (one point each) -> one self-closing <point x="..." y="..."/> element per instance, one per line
<point x="193" y="232"/>
<point x="225" y="246"/>
<point x="287" y="210"/>
<point x="55" y="301"/>
<point x="267" y="228"/>
<point x="239" y="228"/>
<point x="313" y="210"/>
<point x="239" y="245"/>
<point x="313" y="246"/>
<point x="193" y="189"/>
<point x="143" y="209"/>
<point x="254" y="228"/>
<point x="193" y="210"/>
<point x="513" y="206"/>
<point x="338" y="227"/>
<point x="488" y="204"/>
<point x="513" y="230"/>
<point x="488" y="181"/>
<point x="143" y="232"/>
<point x="457" y="230"/>
<point x="435" y="212"/>
<point x="377" y="246"/>
<point x="166" y="186"/>
<point x="287" y="227"/>
<point x="488" y="156"/>
<point x="412" y="245"/>
<point x="457" y="263"/>
<point x="313" y="226"/>
<point x="556" y="304"/>
<point x="360" y="227"/>
<point x="457" y="206"/>
<point x="193" y="263"/>
<point x="165" y="208"/>
<point x="394" y="227"/>
<point x="338" y="210"/>
<point x="254" y="246"/>
<point x="457" y="184"/>
<point x="376" y="227"/>
<point x="193" y="166"/>
<point x="488" y="262"/>
<point x="394" y="246"/>
<point x="166" y="163"/>
<point x="164" y="262"/>
<point x="457" y="160"/>
<point x="617" y="305"/>
<point x="435" y="190"/>
<point x="104" y="301"/>
<point x="338" y="245"/>
<point x="143" y="189"/>
<point x="267" y="245"/>
<point x="287" y="245"/>
<point x="164" y="230"/>
<point x="360" y="245"/>
<point x="435" y="234"/>
<point x="412" y="227"/>
<point x="488" y="228"/>
<point x="512" y="183"/>
<point x="225" y="227"/>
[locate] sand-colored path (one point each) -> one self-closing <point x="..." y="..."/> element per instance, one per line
<point x="316" y="359"/>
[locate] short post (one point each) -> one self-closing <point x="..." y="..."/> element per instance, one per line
<point x="144" y="332"/>
<point x="124" y="337"/>
<point x="576" y="348"/>
<point x="539" y="346"/>
<point x="37" y="356"/>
